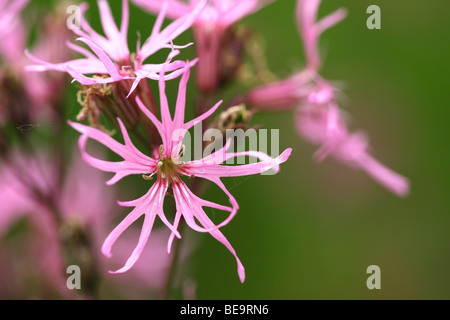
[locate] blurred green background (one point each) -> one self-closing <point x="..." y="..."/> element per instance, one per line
<point x="311" y="231"/>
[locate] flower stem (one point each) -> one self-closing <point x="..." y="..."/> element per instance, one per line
<point x="166" y="291"/>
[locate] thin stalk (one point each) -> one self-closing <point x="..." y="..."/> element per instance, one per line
<point x="166" y="291"/>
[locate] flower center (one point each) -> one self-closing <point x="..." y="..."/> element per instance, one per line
<point x="128" y="65"/>
<point x="167" y="169"/>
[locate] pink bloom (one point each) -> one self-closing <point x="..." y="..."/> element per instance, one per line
<point x="41" y="92"/>
<point x="27" y="186"/>
<point x="319" y="120"/>
<point x="281" y="95"/>
<point x="348" y="148"/>
<point x="168" y="168"/>
<point x="111" y="56"/>
<point x="12" y="37"/>
<point x="209" y="30"/>
<point x="13" y="205"/>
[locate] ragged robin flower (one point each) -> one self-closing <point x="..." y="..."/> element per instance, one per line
<point x="318" y="118"/>
<point x="110" y="55"/>
<point x="167" y="170"/>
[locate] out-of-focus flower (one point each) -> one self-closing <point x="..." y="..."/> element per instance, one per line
<point x="351" y="149"/>
<point x="12" y="37"/>
<point x="30" y="190"/>
<point x="31" y="97"/>
<point x="111" y="57"/>
<point x="319" y="119"/>
<point x="209" y="30"/>
<point x="168" y="168"/>
<point x="45" y="89"/>
<point x="149" y="274"/>
<point x="288" y="93"/>
<point x="281" y="95"/>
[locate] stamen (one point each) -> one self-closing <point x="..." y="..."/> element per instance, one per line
<point x="168" y="168"/>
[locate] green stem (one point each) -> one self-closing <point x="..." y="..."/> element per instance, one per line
<point x="166" y="291"/>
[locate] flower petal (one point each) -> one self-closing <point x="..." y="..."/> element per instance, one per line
<point x="206" y="170"/>
<point x="191" y="207"/>
<point x="134" y="162"/>
<point x="149" y="205"/>
<point x="159" y="39"/>
<point x="177" y="9"/>
<point x="107" y="62"/>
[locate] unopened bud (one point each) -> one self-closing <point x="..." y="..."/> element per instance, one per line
<point x="95" y="101"/>
<point x="235" y="117"/>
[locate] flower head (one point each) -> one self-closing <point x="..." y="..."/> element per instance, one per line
<point x="169" y="170"/>
<point x="111" y="57"/>
<point x="351" y="149"/>
<point x="319" y="119"/>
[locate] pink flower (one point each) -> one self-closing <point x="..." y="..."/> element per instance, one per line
<point x="40" y="93"/>
<point x="12" y="37"/>
<point x="209" y="30"/>
<point x="168" y="168"/>
<point x="318" y="117"/>
<point x="348" y="148"/>
<point x="27" y="190"/>
<point x="111" y="56"/>
<point x="14" y="206"/>
<point x="281" y="95"/>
